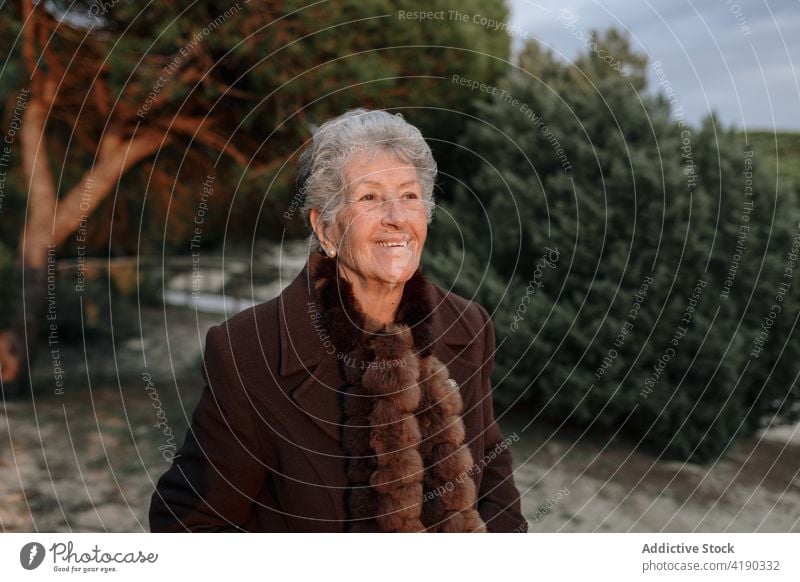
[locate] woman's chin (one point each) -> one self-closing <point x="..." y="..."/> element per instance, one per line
<point x="397" y="274"/>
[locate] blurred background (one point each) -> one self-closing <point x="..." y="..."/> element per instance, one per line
<point x="618" y="187"/>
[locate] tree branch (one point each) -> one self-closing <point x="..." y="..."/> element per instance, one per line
<point x="115" y="157"/>
<point x="198" y="129"/>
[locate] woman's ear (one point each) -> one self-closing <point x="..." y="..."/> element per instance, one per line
<point x="317" y="224"/>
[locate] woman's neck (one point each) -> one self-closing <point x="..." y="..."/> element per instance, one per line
<point x="378" y="301"/>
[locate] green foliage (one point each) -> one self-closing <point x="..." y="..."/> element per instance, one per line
<point x="780" y="154"/>
<point x="643" y="210"/>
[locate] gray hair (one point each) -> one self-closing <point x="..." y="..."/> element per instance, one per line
<point x="320" y="174"/>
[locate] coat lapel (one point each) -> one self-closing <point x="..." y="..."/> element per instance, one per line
<point x="303" y="353"/>
<point x="318" y="396"/>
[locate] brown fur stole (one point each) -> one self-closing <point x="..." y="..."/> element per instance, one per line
<point x="402" y="432"/>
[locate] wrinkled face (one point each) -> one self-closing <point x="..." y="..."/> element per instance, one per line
<point x="381" y="230"/>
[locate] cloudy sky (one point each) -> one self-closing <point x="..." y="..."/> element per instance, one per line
<point x="739" y="58"/>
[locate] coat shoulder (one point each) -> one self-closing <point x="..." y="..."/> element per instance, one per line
<point x="258" y="317"/>
<point x="469" y="318"/>
<point x="252" y="335"/>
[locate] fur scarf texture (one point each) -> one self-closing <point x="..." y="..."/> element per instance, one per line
<point x="402" y="433"/>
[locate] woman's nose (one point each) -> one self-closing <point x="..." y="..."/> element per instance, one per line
<point x="394" y="211"/>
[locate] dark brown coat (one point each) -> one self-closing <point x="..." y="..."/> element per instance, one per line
<point x="263" y="452"/>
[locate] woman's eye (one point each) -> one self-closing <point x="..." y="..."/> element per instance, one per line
<point x="368" y="197"/>
<point x="410" y="195"/>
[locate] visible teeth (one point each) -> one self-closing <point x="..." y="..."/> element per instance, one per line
<point x="393" y="244"/>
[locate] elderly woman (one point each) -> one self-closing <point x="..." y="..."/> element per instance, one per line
<point x="360" y="398"/>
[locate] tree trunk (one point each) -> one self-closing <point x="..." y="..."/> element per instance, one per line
<point x="19" y="347"/>
<point x="50" y="222"/>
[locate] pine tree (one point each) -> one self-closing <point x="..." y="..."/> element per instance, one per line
<point x="635" y="326"/>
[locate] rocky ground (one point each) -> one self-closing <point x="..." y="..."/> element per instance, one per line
<point x="88" y="459"/>
<point x="574" y="484"/>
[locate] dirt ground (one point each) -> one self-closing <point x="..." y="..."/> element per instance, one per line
<point x="88" y="460"/>
<point x="570" y="484"/>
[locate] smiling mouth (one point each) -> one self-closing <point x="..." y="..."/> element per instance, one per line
<point x="401" y="244"/>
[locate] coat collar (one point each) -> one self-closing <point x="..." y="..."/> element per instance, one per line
<point x="301" y="347"/>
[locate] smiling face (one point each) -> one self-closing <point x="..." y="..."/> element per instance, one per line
<point x="380" y="233"/>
